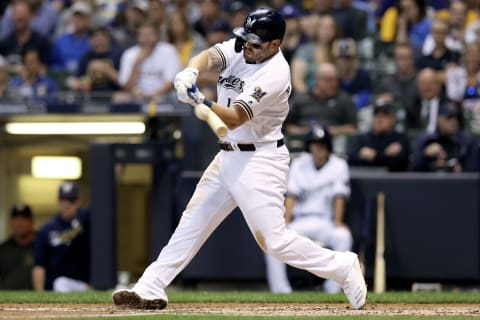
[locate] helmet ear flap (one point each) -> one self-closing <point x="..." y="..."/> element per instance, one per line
<point x="239" y="42"/>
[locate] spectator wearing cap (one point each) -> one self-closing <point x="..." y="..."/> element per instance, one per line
<point x="448" y="148"/>
<point x="22" y="37"/>
<point x="44" y="17"/>
<point x="142" y="78"/>
<point x="16" y="253"/>
<point x="325" y="104"/>
<point x="69" y="48"/>
<point x="62" y="246"/>
<point x="382" y="146"/>
<point x="310" y="54"/>
<point x="97" y="70"/>
<point x="126" y="23"/>
<point x="65" y="25"/>
<point x="353" y="79"/>
<point x="294" y="37"/>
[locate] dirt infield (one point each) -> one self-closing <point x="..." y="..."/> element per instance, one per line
<point x="60" y="310"/>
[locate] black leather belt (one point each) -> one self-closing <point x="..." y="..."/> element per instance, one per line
<point x="227" y="146"/>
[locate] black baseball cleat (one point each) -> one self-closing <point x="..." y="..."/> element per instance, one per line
<point x="127" y="298"/>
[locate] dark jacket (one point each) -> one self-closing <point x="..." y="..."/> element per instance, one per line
<point x="461" y="148"/>
<point x="307" y="109"/>
<point x="379" y="143"/>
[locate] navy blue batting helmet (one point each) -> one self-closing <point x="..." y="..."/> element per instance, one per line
<point x="262" y="25"/>
<point x="318" y="134"/>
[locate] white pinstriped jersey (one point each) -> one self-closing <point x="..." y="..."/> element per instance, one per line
<point x="261" y="89"/>
<point x="316" y="189"/>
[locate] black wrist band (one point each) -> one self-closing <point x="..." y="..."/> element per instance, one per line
<point x="207" y="102"/>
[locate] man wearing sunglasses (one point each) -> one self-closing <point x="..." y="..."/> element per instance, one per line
<point x="250" y="170"/>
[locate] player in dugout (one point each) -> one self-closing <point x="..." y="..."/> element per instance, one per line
<point x="317" y="192"/>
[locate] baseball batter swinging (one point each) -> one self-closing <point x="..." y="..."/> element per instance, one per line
<point x="250" y="171"/>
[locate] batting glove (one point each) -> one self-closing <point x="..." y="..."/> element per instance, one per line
<point x="197" y="97"/>
<point x="183" y="81"/>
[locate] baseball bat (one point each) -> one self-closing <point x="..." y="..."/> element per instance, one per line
<point x="206" y="114"/>
<point x="380" y="268"/>
<point x="212" y="119"/>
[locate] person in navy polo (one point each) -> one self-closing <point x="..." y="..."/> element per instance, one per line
<point x="62" y="247"/>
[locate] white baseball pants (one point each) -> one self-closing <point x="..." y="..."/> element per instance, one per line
<point x="256" y="183"/>
<point x="323" y="231"/>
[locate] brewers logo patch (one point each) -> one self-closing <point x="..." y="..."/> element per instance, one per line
<point x="258" y="93"/>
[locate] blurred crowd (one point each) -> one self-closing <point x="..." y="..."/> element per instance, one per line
<point x="420" y="58"/>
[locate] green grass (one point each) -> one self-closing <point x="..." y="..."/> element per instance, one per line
<point x="252" y="297"/>
<point x="244" y="297"/>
